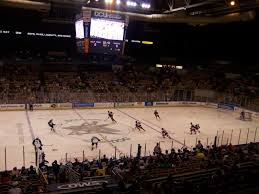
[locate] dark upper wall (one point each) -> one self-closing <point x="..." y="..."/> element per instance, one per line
<point x="237" y="41"/>
<point x="31" y="21"/>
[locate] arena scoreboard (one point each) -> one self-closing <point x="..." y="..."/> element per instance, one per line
<point x="100" y="32"/>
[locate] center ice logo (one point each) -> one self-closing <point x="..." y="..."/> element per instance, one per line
<point x="91" y="127"/>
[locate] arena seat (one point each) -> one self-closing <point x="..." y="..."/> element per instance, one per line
<point x="4" y="188"/>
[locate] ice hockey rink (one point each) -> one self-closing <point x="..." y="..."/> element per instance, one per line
<point x="75" y="128"/>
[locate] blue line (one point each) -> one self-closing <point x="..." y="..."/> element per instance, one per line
<point x="148" y="126"/>
<point x="30" y="126"/>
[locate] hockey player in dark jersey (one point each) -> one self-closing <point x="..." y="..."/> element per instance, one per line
<point x="30" y="106"/>
<point x="197" y="126"/>
<point x="110" y="115"/>
<point x="51" y="125"/>
<point x="194" y="128"/>
<point x="139" y="126"/>
<point x="242" y="115"/>
<point x="156" y="114"/>
<point x="165" y="133"/>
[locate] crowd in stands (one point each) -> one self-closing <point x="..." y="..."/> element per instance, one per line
<point x="18" y="82"/>
<point x="21" y="181"/>
<point x="223" y="166"/>
<point x="26" y="83"/>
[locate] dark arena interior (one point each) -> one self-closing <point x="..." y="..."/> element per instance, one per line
<point x="129" y="96"/>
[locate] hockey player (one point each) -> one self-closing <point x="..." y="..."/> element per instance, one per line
<point x="197" y="126"/>
<point x="30" y="106"/>
<point x="51" y="125"/>
<point x="139" y="126"/>
<point x="165" y="133"/>
<point x="37" y="144"/>
<point x="194" y="128"/>
<point x="110" y="115"/>
<point x="95" y="141"/>
<point x="242" y="115"/>
<point x="38" y="148"/>
<point x="156" y="114"/>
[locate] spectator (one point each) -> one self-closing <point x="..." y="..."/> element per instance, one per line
<point x="62" y="173"/>
<point x="76" y="163"/>
<point x="157" y="149"/>
<point x="55" y="168"/>
<point x="200" y="155"/>
<point x="104" y="159"/>
<point x="101" y="171"/>
<point x="23" y="172"/>
<point x="139" y="151"/>
<point x="199" y="145"/>
<point x="32" y="172"/>
<point x="15" y="173"/>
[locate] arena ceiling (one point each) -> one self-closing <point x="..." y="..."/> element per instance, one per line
<point x="161" y="11"/>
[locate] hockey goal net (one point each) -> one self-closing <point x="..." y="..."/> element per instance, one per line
<point x="246" y="116"/>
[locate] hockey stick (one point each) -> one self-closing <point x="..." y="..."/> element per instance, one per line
<point x="58" y="125"/>
<point x="106" y="119"/>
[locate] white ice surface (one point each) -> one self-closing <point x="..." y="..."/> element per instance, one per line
<point x="75" y="128"/>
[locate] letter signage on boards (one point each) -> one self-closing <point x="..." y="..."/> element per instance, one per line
<point x="102" y="14"/>
<point x="124" y="104"/>
<point x="79" y="186"/>
<point x="104" y="105"/>
<point x="161" y="103"/>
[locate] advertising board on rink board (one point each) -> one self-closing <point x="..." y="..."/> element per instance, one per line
<point x="83" y="104"/>
<point x="176" y="103"/>
<point x="183" y="103"/>
<point x="139" y="104"/>
<point x="52" y="106"/>
<point x="104" y="105"/>
<point x="124" y="104"/>
<point x="12" y="106"/>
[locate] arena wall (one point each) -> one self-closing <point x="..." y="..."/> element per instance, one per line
<point x="83" y="105"/>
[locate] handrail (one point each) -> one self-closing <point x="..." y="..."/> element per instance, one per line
<point x="73" y="171"/>
<point x="117" y="174"/>
<point x="42" y="175"/>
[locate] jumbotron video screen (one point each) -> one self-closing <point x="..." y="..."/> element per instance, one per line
<point x="106" y="36"/>
<point x="106" y="29"/>
<point x="103" y="31"/>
